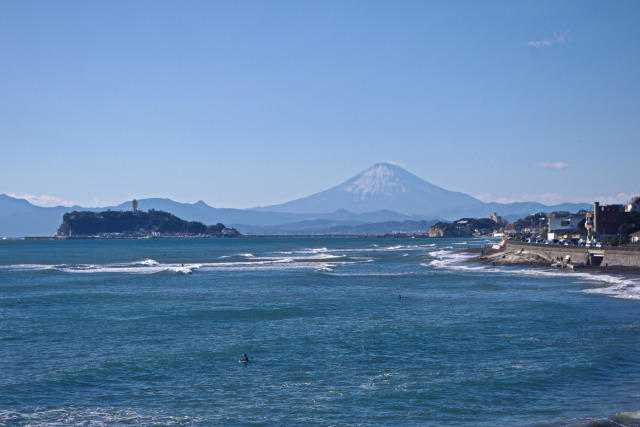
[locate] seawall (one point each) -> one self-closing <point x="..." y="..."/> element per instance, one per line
<point x="581" y="255"/>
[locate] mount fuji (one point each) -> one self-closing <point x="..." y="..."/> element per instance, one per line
<point x="382" y="187"/>
<point x="383" y="194"/>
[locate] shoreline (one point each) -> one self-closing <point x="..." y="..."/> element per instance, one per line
<point x="241" y="236"/>
<point x="508" y="258"/>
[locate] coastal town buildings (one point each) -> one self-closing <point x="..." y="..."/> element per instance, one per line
<point x="532" y="224"/>
<point x="497" y="219"/>
<point x="560" y="223"/>
<point x="635" y="237"/>
<point x="605" y="220"/>
<point x="634" y="206"/>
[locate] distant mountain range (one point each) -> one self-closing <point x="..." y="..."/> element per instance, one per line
<point x="384" y="194"/>
<point x="382" y="187"/>
<point x="389" y="187"/>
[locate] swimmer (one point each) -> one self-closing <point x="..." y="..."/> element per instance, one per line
<point x="244" y="359"/>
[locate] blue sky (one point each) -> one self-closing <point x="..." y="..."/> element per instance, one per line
<point x="247" y="103"/>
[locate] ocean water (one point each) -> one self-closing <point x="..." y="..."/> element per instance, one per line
<point x="149" y="332"/>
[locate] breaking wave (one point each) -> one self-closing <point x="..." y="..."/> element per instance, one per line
<point x="611" y="285"/>
<point x="92" y="416"/>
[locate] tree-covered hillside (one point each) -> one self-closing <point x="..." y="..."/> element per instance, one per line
<point x="465" y="227"/>
<point x="136" y="223"/>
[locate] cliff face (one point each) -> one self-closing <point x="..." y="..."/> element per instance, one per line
<point x="78" y="224"/>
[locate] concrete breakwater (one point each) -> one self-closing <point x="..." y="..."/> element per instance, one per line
<point x="580" y="255"/>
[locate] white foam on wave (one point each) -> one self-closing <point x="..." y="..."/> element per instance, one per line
<point x="142" y="267"/>
<point x="627" y="417"/>
<point x="92" y="416"/>
<point x="448" y="256"/>
<point x="310" y="257"/>
<point x="325" y="268"/>
<point x="313" y="251"/>
<point x="148" y="262"/>
<point x="614" y="286"/>
<point x="625" y="289"/>
<point x="399" y="248"/>
<point x="181" y="270"/>
<point x="26" y="267"/>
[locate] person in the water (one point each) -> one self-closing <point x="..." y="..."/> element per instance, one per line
<point x="245" y="358"/>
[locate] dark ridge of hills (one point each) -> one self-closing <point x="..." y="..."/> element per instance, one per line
<point x="84" y="223"/>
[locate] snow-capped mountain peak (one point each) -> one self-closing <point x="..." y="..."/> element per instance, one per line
<point x="380" y="180"/>
<point x="382" y="187"/>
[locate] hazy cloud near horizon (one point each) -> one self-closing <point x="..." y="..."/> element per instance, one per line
<point x="555" y="165"/>
<point x="557" y="38"/>
<point x="556" y="198"/>
<point x="43" y="200"/>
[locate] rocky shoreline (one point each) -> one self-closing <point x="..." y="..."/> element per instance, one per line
<point x="522" y="258"/>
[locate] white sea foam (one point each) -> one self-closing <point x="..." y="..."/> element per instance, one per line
<point x="624" y="290"/>
<point x="294" y="260"/>
<point x="182" y="270"/>
<point x="627" y="418"/>
<point x="26" y="267"/>
<point x="449" y="256"/>
<point x="615" y="286"/>
<point x="91" y="417"/>
<point x="313" y="251"/>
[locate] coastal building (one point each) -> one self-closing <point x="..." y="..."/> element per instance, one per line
<point x="633" y="207"/>
<point x="532" y="224"/>
<point x="561" y="224"/>
<point x="605" y="219"/>
<point x="497" y="219"/>
<point x="635" y="237"/>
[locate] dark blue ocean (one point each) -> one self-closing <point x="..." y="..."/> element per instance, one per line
<point x="119" y="332"/>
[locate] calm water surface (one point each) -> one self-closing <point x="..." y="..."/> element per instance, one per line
<point x="113" y="332"/>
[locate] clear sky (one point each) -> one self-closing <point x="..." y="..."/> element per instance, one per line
<point x="247" y="103"/>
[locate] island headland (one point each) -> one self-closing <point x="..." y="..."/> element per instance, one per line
<point x="123" y="224"/>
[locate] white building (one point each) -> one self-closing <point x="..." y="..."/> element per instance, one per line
<point x="558" y="225"/>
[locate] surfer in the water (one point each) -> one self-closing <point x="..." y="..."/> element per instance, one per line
<point x="245" y="358"/>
